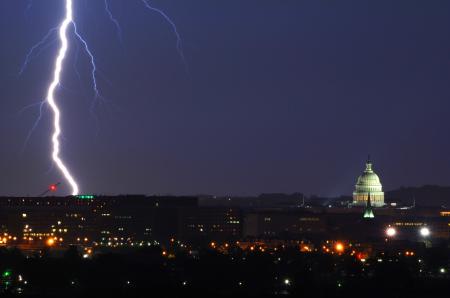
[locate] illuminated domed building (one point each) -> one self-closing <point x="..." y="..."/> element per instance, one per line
<point x="368" y="184"/>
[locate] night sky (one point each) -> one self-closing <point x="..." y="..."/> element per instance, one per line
<point x="280" y="96"/>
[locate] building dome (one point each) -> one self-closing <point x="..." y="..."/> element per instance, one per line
<point x="368" y="184"/>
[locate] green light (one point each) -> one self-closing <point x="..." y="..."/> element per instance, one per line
<point x="85" y="197"/>
<point x="7" y="273"/>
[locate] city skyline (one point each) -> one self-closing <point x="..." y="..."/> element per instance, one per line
<point x="258" y="148"/>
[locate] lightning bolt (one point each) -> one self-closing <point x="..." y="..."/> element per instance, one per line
<point x="39" y="46"/>
<point x="113" y="20"/>
<point x="97" y="94"/>
<point x="179" y="43"/>
<point x="50" y="99"/>
<point x="174" y="29"/>
<point x="36" y="122"/>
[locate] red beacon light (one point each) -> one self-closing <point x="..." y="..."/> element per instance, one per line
<point x="51" y="188"/>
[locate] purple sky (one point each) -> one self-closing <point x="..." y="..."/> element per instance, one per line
<point x="281" y="96"/>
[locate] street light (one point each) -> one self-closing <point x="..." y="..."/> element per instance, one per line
<point x="339" y="247"/>
<point x="390" y="232"/>
<point x="425" y="232"/>
<point x="50" y="242"/>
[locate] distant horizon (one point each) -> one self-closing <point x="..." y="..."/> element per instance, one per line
<point x="223" y="196"/>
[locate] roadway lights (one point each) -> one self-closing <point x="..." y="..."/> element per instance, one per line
<point x="390" y="232"/>
<point x="287" y="282"/>
<point x="50" y="242"/>
<point x="425" y="232"/>
<point x="339" y="247"/>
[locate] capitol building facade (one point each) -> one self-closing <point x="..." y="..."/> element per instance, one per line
<point x="368" y="184"/>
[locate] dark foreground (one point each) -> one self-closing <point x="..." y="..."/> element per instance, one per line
<point x="151" y="272"/>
